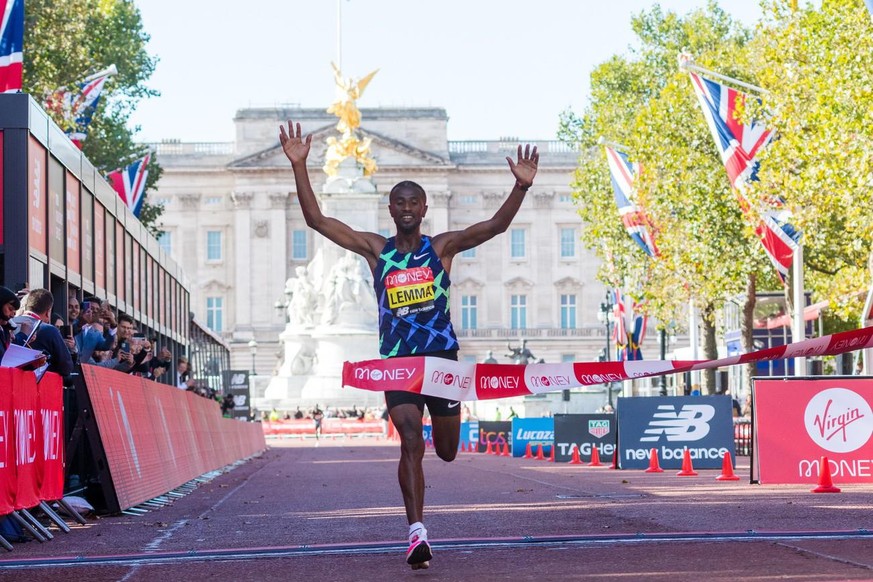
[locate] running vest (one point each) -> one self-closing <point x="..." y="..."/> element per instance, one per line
<point x="413" y="294"/>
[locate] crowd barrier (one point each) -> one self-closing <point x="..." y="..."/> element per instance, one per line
<point x="31" y="439"/>
<point x="155" y="437"/>
<point x="329" y="426"/>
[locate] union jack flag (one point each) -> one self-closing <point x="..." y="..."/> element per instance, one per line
<point x="78" y="107"/>
<point x="739" y="145"/>
<point x="11" y="45"/>
<point x="623" y="173"/>
<point x="130" y="183"/>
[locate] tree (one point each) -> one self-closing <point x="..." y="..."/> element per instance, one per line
<point x="645" y="102"/>
<point x="817" y="64"/>
<point x="66" y="41"/>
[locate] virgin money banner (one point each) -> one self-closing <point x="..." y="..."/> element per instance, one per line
<point x="799" y="421"/>
<point x="533" y="432"/>
<point x="464" y="381"/>
<point x="671" y="424"/>
<point x="157" y="437"/>
<point x="50" y="456"/>
<point x="495" y="432"/>
<point x="587" y="432"/>
<point x="8" y="377"/>
<point x="25" y="409"/>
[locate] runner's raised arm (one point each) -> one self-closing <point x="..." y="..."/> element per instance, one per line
<point x="296" y="148"/>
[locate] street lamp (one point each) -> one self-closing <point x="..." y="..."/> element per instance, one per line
<point x="607" y="316"/>
<point x="253" y="348"/>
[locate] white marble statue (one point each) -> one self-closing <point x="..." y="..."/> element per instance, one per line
<point x="303" y="303"/>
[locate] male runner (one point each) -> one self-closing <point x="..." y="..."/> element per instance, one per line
<point x="416" y="322"/>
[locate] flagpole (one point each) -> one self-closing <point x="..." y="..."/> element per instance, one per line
<point x="798" y="327"/>
<point x="108" y="71"/>
<point x="616" y="146"/>
<point x="694" y="340"/>
<point x="686" y="63"/>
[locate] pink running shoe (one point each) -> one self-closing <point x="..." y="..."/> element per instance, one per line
<point x="419" y="553"/>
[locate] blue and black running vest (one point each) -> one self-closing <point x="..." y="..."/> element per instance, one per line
<point x="413" y="294"/>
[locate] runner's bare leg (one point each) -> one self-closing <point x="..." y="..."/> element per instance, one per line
<point x="407" y="420"/>
<point x="446" y="436"/>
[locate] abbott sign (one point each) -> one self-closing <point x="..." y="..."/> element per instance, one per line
<point x="701" y="424"/>
<point x="799" y="421"/>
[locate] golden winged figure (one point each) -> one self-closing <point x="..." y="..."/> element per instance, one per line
<point x="346" y="109"/>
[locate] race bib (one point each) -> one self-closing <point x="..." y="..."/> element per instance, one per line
<point x="410" y="291"/>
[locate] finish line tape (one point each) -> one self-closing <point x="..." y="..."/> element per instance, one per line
<point x="468" y="381"/>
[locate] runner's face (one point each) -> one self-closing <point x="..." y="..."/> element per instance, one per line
<point x="407" y="208"/>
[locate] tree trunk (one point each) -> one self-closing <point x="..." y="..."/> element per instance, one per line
<point x="710" y="348"/>
<point x="747" y="325"/>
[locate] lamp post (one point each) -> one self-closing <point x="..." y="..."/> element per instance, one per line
<point x="606" y="316"/>
<point x="253" y="349"/>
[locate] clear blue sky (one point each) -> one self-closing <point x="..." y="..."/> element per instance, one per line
<point x="499" y="67"/>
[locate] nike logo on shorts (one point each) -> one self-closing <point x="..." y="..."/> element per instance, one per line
<point x="452" y="404"/>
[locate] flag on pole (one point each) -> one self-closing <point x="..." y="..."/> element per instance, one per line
<point x="11" y="45"/>
<point x="623" y="173"/>
<point x="739" y="145"/>
<point x="77" y="107"/>
<point x="637" y="332"/>
<point x="130" y="183"/>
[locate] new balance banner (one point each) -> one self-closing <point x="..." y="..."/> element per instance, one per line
<point x="495" y="432"/>
<point x="533" y="431"/>
<point x="797" y="422"/>
<point x="463" y="381"/>
<point x="587" y="432"/>
<point x="157" y="437"/>
<point x="670" y="424"/>
<point x="236" y="383"/>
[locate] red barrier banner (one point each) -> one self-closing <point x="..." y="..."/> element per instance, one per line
<point x="797" y="422"/>
<point x="50" y="457"/>
<point x="8" y="377"/>
<point x="464" y="381"/>
<point x="157" y="437"/>
<point x="28" y="440"/>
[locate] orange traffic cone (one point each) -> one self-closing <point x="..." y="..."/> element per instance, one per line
<point x="488" y="450"/>
<point x="506" y="452"/>
<point x="527" y="452"/>
<point x="540" y="456"/>
<point x="551" y="458"/>
<point x="574" y="459"/>
<point x="825" y="483"/>
<point x="687" y="468"/>
<point x="595" y="458"/>
<point x="654" y="466"/>
<point x="727" y="469"/>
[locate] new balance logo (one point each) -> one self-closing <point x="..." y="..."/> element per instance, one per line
<point x="691" y="423"/>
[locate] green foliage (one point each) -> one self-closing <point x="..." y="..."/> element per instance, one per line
<point x="67" y="41"/>
<point x="818" y="66"/>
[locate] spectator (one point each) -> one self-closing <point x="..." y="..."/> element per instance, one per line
<point x="183" y="382"/>
<point x="9" y="303"/>
<point x="38" y="306"/>
<point x="298" y="414"/>
<point x="89" y="332"/>
<point x="317" y="416"/>
<point x="73" y="312"/>
<point x="227" y="406"/>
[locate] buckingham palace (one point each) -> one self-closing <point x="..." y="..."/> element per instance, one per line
<point x="232" y="220"/>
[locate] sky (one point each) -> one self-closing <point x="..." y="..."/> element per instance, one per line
<point x="500" y="68"/>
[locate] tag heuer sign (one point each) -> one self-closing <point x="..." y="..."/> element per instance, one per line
<point x="598" y="428"/>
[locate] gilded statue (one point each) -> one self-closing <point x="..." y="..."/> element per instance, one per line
<point x="349" y="145"/>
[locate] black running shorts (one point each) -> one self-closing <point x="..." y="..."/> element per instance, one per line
<point x="435" y="405"/>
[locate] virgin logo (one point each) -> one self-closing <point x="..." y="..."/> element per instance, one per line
<point x="839" y="420"/>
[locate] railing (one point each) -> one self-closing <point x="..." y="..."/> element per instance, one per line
<point x="500" y="146"/>
<point x="586" y="331"/>
<point x="203" y="148"/>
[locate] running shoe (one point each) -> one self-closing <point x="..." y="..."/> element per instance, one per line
<point x="419" y="553"/>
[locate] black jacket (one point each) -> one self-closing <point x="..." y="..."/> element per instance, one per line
<point x="49" y="340"/>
